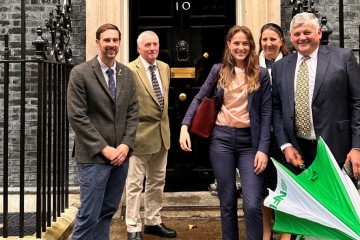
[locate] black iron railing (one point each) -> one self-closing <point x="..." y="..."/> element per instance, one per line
<point x="358" y="49"/>
<point x="52" y="141"/>
<point x="51" y="69"/>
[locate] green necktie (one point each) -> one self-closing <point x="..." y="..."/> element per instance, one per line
<point x="302" y="109"/>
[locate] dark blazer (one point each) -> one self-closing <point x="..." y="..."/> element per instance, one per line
<point x="335" y="104"/>
<point x="153" y="122"/>
<point x="96" y="118"/>
<point x="259" y="107"/>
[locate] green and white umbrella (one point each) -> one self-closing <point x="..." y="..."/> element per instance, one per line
<point x="321" y="202"/>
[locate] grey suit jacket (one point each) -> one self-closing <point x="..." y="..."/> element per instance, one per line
<point x="97" y="119"/>
<point x="153" y="130"/>
<point x="335" y="104"/>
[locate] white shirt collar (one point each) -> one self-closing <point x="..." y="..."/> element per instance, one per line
<point x="104" y="68"/>
<point x="146" y="64"/>
<point x="262" y="58"/>
<point x="313" y="55"/>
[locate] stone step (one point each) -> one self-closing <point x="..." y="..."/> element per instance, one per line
<point x="189" y="204"/>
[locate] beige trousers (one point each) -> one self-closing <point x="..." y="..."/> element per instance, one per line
<point x="152" y="168"/>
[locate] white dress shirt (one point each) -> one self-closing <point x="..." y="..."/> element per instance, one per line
<point x="104" y="68"/>
<point x="312" y="66"/>
<point x="148" y="73"/>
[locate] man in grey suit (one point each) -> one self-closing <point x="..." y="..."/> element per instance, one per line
<point x="333" y="99"/>
<point x="152" y="78"/>
<point x="103" y="112"/>
<point x="332" y="102"/>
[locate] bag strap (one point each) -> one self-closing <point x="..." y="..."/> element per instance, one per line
<point x="211" y="93"/>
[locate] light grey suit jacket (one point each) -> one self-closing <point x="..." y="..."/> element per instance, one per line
<point x="97" y="119"/>
<point x="154" y="129"/>
<point x="335" y="104"/>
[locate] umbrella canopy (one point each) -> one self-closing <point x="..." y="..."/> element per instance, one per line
<point x="320" y="202"/>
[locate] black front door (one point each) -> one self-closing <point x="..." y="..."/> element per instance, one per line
<point x="192" y="37"/>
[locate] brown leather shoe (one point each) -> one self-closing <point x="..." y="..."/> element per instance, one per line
<point x="160" y="230"/>
<point x="134" y="236"/>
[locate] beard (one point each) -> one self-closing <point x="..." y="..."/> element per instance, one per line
<point x="111" y="52"/>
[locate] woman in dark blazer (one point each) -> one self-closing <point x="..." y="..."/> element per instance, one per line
<point x="241" y="136"/>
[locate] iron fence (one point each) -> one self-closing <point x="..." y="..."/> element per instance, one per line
<point x="39" y="104"/>
<point x="358" y="49"/>
<point x="52" y="139"/>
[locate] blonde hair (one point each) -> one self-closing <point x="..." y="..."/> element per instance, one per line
<point x="252" y="70"/>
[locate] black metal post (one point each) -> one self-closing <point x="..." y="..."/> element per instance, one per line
<point x="58" y="150"/>
<point x="63" y="150"/>
<point x="55" y="143"/>
<point x="6" y="140"/>
<point x="49" y="69"/>
<point x="67" y="141"/>
<point x="341" y="23"/>
<point x="326" y="31"/>
<point x="44" y="145"/>
<point x="40" y="156"/>
<point x="22" y="123"/>
<point x="359" y="43"/>
<point x="39" y="43"/>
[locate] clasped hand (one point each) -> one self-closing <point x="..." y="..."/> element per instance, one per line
<point x="116" y="156"/>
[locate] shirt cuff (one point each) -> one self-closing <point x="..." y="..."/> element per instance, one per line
<point x="285" y="146"/>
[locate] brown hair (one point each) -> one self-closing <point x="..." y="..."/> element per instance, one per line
<point x="276" y="28"/>
<point x="252" y="70"/>
<point x="105" y="27"/>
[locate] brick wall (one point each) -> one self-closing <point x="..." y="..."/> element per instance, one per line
<point x="330" y="9"/>
<point x="37" y="12"/>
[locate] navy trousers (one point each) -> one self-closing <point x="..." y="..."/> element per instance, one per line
<point x="232" y="148"/>
<point x="101" y="187"/>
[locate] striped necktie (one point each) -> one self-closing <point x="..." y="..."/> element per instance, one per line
<point x="156" y="87"/>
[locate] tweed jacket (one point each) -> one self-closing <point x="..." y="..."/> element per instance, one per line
<point x="97" y="119"/>
<point x="154" y="129"/>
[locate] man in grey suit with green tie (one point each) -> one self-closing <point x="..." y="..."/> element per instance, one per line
<point x="152" y="78"/>
<point x="103" y="112"/>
